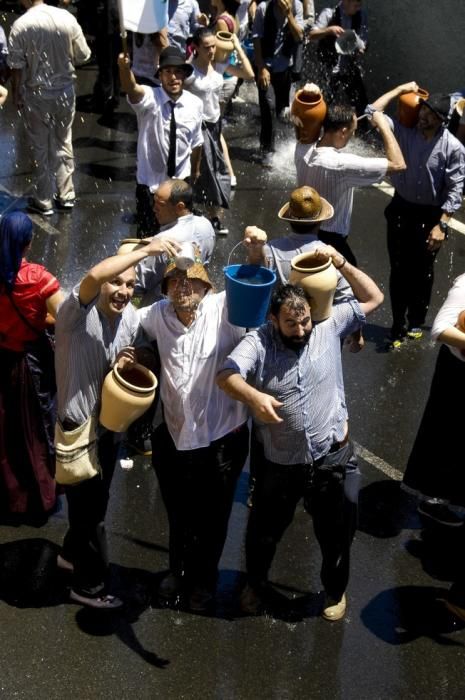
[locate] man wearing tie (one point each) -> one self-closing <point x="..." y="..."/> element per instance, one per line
<point x="170" y="130"/>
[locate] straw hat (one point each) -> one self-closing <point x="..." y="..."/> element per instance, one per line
<point x="196" y="271"/>
<point x="460" y="106"/>
<point x="305" y="206"/>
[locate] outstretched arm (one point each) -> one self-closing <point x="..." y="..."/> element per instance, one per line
<point x="134" y="91"/>
<point x="382" y="102"/>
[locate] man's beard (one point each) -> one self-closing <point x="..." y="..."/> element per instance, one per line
<point x="294" y="343"/>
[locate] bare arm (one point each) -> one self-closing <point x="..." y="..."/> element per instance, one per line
<point x="53" y="302"/>
<point x="286" y="8"/>
<point x="333" y="30"/>
<point x="116" y="264"/>
<point x="452" y="336"/>
<point x="394" y="155"/>
<point x="160" y="39"/>
<point x="365" y="290"/>
<point x="261" y="405"/>
<point x="244" y="71"/>
<point x="196" y="157"/>
<point x="134" y="91"/>
<point x="382" y="102"/>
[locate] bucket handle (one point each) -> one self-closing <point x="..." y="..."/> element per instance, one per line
<point x="232" y="251"/>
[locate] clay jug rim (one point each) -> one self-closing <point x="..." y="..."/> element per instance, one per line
<point x="315" y="101"/>
<point x="227" y="36"/>
<point x="132" y="387"/>
<point x="295" y="264"/>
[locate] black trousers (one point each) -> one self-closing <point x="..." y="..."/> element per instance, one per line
<point x="330" y="491"/>
<point x="197" y="487"/>
<point x="85" y="543"/>
<point x="340" y="243"/>
<point x="412" y="264"/>
<point x="280" y="83"/>
<point x="147" y="224"/>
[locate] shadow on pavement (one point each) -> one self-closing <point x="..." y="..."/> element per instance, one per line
<point x="385" y="510"/>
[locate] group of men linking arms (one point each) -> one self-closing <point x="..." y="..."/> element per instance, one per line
<point x="213" y="376"/>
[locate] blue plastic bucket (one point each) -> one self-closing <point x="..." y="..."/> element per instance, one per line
<point x="248" y="293"/>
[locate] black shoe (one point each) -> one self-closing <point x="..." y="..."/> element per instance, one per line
<point x="440" y="513"/>
<point x="201" y="599"/>
<point x="251" y="600"/>
<point x="170" y="589"/>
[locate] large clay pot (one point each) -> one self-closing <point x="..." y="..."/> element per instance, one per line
<point x="128" y="245"/>
<point x="224" y="47"/>
<point x="408" y="107"/>
<point x="310" y="109"/>
<point x="126" y="395"/>
<point x="318" y="280"/>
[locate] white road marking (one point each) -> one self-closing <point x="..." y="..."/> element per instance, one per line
<point x="378" y="463"/>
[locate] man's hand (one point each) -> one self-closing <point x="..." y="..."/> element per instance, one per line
<point x="126" y="357"/>
<point x="335" y="30"/>
<point x="124" y="62"/>
<point x="264" y="78"/>
<point x="254" y="236"/>
<point x="285" y="6"/>
<point x="203" y="19"/>
<point x="435" y="239"/>
<point x="408" y="87"/>
<point x="159" y="246"/>
<point x="263" y="408"/>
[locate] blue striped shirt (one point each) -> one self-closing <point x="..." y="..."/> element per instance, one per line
<point x="307" y="382"/>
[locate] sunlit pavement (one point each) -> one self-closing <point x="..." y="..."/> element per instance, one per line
<point x="395" y="642"/>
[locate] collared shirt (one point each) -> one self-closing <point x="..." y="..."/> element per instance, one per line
<point x="207" y="87"/>
<point x="279" y="62"/>
<point x="149" y="272"/>
<point x="195" y="409"/>
<point x="307" y="382"/>
<point x="182" y="21"/>
<point x="449" y="312"/>
<point x="45" y="43"/>
<point x="86" y="347"/>
<point x="334" y="173"/>
<point x="323" y="20"/>
<point x="153" y="118"/>
<point x="435" y="169"/>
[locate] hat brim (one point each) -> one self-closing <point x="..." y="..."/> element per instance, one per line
<point x="460" y="106"/>
<point x="442" y="117"/>
<point x="188" y="68"/>
<point x="196" y="271"/>
<point x="327" y="212"/>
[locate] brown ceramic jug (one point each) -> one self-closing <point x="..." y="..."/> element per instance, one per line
<point x="318" y="280"/>
<point x="309" y="110"/>
<point x="461" y="321"/>
<point x="224" y="46"/>
<point x="126" y="394"/>
<point x="408" y="107"/>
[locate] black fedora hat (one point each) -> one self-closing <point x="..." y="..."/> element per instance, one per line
<point x="172" y="56"/>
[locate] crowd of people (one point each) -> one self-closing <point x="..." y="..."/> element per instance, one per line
<point x="274" y="393"/>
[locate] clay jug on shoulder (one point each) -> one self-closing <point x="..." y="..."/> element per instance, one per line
<point x="318" y="279"/>
<point x="224" y="46"/>
<point x="310" y="109"/>
<point x="408" y="107"/>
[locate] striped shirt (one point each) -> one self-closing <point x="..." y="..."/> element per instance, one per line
<point x="307" y="382"/>
<point x="334" y="174"/>
<point x="86" y="347"/>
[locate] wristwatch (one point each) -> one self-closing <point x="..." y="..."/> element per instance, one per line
<point x="443" y="225"/>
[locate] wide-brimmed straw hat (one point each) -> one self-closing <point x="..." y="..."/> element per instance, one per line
<point x="171" y="56"/>
<point x="196" y="271"/>
<point x="305" y="206"/>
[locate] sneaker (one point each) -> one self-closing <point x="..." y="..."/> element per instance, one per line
<point x="334" y="609"/>
<point x="37" y="208"/>
<point x="440" y="513"/>
<point x="106" y="602"/>
<point x="219" y="227"/>
<point x="64" y="204"/>
<point x="414" y="333"/>
<point x="233" y="181"/>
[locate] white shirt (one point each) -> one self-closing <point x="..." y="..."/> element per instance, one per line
<point x="448" y="313"/>
<point x="196" y="410"/>
<point x="46" y="43"/>
<point x="334" y="174"/>
<point x="207" y="87"/>
<point x="153" y="118"/>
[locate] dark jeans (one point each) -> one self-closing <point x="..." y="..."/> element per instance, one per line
<point x="330" y="491"/>
<point x="412" y="264"/>
<point x="147" y="224"/>
<point x="85" y="543"/>
<point x="340" y="243"/>
<point x="198" y="487"/>
<point x="281" y="84"/>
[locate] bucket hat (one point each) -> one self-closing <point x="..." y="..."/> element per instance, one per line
<point x="305" y="206"/>
<point x="172" y="56"/>
<point x="196" y="271"/>
<point x="439" y="104"/>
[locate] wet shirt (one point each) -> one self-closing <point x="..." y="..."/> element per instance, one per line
<point x="46" y="43"/>
<point x="196" y="411"/>
<point x="334" y="173"/>
<point x="323" y="21"/>
<point x="153" y="118"/>
<point x="86" y="347"/>
<point x="279" y="62"/>
<point x="150" y="271"/>
<point x="307" y="382"/>
<point x="449" y="312"/>
<point x="33" y="286"/>
<point x="435" y="169"/>
<point x="207" y="87"/>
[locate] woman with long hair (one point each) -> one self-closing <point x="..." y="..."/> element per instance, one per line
<point x="28" y="292"/>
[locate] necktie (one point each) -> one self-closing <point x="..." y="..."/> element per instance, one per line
<point x="171" y="163"/>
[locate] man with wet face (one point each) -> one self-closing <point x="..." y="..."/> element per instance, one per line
<point x="96" y="326"/>
<point x="170" y="129"/>
<point x="200" y="449"/>
<point x="289" y="374"/>
<point x="426" y="195"/>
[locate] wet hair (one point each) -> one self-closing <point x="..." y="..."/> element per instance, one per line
<point x="181" y="191"/>
<point x="15" y="236"/>
<point x="200" y="34"/>
<point x="338" y="116"/>
<point x="288" y="295"/>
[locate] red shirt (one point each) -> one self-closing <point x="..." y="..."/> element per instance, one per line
<point x="33" y="286"/>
